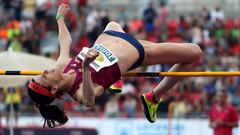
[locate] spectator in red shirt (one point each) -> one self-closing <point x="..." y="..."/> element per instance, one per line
<point x="223" y="116"/>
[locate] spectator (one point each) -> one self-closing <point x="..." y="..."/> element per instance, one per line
<point x="149" y="16"/>
<point x="129" y="88"/>
<point x="183" y="27"/>
<point x="104" y="20"/>
<point x="217" y="14"/>
<point x="223" y="116"/>
<point x="112" y="108"/>
<point x="196" y="32"/>
<point x="17" y="5"/>
<point x="205" y="12"/>
<point x="15" y="45"/>
<point x="135" y="25"/>
<point x="122" y="16"/>
<point x="29" y="7"/>
<point x="12" y="96"/>
<point x="162" y="15"/>
<point x="130" y="105"/>
<point x="232" y="89"/>
<point x="181" y="107"/>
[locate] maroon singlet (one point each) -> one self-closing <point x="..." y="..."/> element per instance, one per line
<point x="105" y="77"/>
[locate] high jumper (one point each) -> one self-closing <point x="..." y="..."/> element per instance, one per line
<point x="95" y="69"/>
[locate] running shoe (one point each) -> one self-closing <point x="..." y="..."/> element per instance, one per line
<point x="150" y="109"/>
<point x="116" y="87"/>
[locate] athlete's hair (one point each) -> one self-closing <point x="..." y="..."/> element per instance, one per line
<point x="52" y="114"/>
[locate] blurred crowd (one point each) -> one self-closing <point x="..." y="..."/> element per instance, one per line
<point x="30" y="26"/>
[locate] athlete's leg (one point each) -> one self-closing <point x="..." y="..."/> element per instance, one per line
<point x="186" y="55"/>
<point x="170" y="53"/>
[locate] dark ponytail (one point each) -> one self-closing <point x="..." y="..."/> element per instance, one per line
<point x="52" y="114"/>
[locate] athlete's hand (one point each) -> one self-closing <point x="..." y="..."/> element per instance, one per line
<point x="63" y="9"/>
<point x="90" y="57"/>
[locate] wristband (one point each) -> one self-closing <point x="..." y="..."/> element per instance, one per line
<point x="59" y="16"/>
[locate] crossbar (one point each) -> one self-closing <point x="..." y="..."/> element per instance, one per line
<point x="138" y="74"/>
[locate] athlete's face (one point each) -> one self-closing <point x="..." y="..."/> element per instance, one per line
<point x="48" y="78"/>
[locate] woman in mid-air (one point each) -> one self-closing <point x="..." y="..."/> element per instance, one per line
<point x="95" y="69"/>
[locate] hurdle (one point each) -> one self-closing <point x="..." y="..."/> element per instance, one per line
<point x="139" y="74"/>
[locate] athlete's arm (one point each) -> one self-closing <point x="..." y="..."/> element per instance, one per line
<point x="86" y="94"/>
<point x="64" y="36"/>
<point x="88" y="91"/>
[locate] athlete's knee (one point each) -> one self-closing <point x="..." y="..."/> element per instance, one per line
<point x="196" y="52"/>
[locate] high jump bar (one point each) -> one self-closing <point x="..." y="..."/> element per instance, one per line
<point x="138" y="74"/>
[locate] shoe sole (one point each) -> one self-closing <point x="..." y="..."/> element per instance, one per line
<point x="146" y="109"/>
<point x="115" y="91"/>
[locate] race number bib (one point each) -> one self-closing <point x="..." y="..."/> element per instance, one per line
<point x="105" y="58"/>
